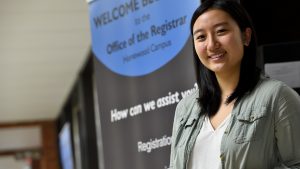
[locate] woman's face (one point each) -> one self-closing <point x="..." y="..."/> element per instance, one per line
<point x="219" y="42"/>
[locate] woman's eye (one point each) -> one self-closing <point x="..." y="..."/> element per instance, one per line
<point x="221" y="31"/>
<point x="200" y="38"/>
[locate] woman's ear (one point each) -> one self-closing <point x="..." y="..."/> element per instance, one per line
<point x="247" y="36"/>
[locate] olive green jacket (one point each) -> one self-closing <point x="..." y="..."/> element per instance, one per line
<point x="263" y="132"/>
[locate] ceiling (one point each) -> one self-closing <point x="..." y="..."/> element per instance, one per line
<point x="43" y="45"/>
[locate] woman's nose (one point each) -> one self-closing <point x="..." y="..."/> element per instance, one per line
<point x="212" y="43"/>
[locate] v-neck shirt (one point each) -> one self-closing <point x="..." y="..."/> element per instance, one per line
<point x="206" y="151"/>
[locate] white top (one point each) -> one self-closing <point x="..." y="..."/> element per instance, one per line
<point x="206" y="151"/>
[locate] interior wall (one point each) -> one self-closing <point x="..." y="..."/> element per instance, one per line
<point x="9" y="162"/>
<point x="42" y="157"/>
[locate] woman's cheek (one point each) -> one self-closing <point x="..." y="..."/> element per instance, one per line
<point x="200" y="50"/>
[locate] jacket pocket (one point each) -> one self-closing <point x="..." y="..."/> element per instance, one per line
<point x="185" y="131"/>
<point x="248" y="124"/>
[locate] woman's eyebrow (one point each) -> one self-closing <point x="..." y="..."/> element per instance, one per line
<point x="216" y="25"/>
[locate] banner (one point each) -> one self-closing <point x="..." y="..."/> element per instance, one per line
<point x="143" y="68"/>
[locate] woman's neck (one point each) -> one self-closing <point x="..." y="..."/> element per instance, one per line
<point x="228" y="82"/>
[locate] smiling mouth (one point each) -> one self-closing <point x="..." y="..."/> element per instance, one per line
<point x="216" y="56"/>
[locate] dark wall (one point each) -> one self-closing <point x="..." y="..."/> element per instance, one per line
<point x="79" y="110"/>
<point x="275" y="21"/>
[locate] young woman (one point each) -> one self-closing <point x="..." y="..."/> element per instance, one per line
<point x="239" y="119"/>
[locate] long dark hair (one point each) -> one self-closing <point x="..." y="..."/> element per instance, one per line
<point x="209" y="89"/>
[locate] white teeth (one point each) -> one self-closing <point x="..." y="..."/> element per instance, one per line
<point x="216" y="56"/>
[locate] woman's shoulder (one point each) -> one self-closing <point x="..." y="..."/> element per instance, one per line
<point x="190" y="99"/>
<point x="269" y="88"/>
<point x="186" y="105"/>
<point x="270" y="85"/>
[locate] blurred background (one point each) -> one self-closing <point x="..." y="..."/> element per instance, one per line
<point x="43" y="46"/>
<point x="46" y="75"/>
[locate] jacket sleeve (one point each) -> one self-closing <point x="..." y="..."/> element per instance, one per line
<point x="287" y="127"/>
<point x="176" y="122"/>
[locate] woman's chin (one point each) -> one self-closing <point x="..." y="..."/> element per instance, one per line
<point x="217" y="68"/>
